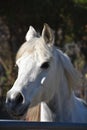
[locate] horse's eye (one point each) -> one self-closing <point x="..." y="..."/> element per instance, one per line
<point x="45" y="65"/>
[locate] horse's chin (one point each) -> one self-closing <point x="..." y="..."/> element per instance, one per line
<point x="21" y="115"/>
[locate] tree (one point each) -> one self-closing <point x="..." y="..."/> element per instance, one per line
<point x="82" y="3"/>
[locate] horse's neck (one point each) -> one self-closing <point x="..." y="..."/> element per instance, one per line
<point x="58" y="107"/>
<point x="62" y="102"/>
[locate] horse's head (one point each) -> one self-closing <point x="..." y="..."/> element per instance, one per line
<point x="35" y="72"/>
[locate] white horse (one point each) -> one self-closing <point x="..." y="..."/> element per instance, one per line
<point x="47" y="77"/>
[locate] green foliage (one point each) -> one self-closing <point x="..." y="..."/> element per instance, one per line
<point x="82" y="3"/>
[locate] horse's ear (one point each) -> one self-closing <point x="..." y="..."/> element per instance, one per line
<point x="48" y="34"/>
<point x="30" y="34"/>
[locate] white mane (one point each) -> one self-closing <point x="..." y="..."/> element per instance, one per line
<point x="73" y="76"/>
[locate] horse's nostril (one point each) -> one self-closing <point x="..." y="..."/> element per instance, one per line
<point x="19" y="98"/>
<point x="14" y="99"/>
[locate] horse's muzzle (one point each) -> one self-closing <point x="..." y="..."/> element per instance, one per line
<point x="15" y="104"/>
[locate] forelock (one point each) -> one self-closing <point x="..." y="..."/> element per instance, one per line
<point x="36" y="44"/>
